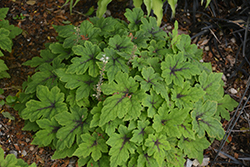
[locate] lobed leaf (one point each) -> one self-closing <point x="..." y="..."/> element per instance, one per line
<point x="125" y="97"/>
<point x="92" y="144"/>
<point x="121" y="147"/>
<point x="204" y="121"/>
<point x="134" y="17"/>
<point x="175" y="69"/>
<point x="157" y="145"/>
<point x="185" y="97"/>
<point x="194" y="148"/>
<point x="74" y="124"/>
<point x="84" y="84"/>
<point x="167" y="120"/>
<point x="87" y="61"/>
<point x="49" y="103"/>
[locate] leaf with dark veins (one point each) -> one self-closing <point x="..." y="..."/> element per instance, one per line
<point x="175" y="69"/>
<point x="210" y="84"/>
<point x="157" y="146"/>
<point x="140" y="133"/>
<point x="204" y="121"/>
<point x="121" y="146"/>
<point x="92" y="144"/>
<point x="74" y="124"/>
<point x="87" y="61"/>
<point x="125" y="97"/>
<point x="49" y="103"/>
<point x="185" y="97"/>
<point x="152" y="79"/>
<point x="168" y="120"/>
<point x="83" y="84"/>
<point x="153" y="102"/>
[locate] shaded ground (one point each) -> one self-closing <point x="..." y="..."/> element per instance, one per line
<point x="39" y="15"/>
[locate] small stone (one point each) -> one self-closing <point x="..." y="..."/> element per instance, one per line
<point x="233" y="91"/>
<point x="27" y="140"/>
<point x="224" y="78"/>
<point x="13" y="152"/>
<point x="31" y="148"/>
<point x="108" y="13"/>
<point x="24" y="153"/>
<point x="169" y="27"/>
<point x="207" y="48"/>
<point x="233" y="40"/>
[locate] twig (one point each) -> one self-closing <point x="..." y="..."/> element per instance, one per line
<point x="240" y="130"/>
<point x="214" y="35"/>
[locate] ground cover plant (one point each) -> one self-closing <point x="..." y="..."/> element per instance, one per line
<point x="118" y="94"/>
<point x="7" y="33"/>
<point x="10" y="160"/>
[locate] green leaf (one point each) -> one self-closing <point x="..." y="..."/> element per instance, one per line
<point x="61" y="52"/>
<point x="157" y="146"/>
<point x="204" y="121"/>
<point x="168" y="120"/>
<point x="115" y="63"/>
<point x="92" y="144"/>
<point x="46" y="76"/>
<point x="3" y="68"/>
<point x="49" y="103"/>
<point x="142" y="131"/>
<point x="8" y="115"/>
<point x="194" y="148"/>
<point x="225" y="104"/>
<point x="152" y="79"/>
<point x="65" y="31"/>
<point x="106" y="25"/>
<point x="210" y="84"/>
<point x="90" y="32"/>
<point x="67" y="152"/>
<point x="175" y="69"/>
<point x="157" y="6"/>
<point x="87" y="61"/>
<point x="122" y="44"/>
<point x="74" y="124"/>
<point x="141" y="38"/>
<point x="121" y="147"/>
<point x="47" y="134"/>
<point x="83" y="84"/>
<point x="172" y="4"/>
<point x="11" y="99"/>
<point x="102" y="7"/>
<point x="134" y="17"/>
<point x="46" y="57"/>
<point x="5" y="41"/>
<point x="185" y="128"/>
<point x="153" y="102"/>
<point x="3" y="13"/>
<point x="9" y="161"/>
<point x="185" y="97"/>
<point x="145" y="160"/>
<point x="175" y="156"/>
<point x="150" y="27"/>
<point x="31" y="126"/>
<point x="125" y="97"/>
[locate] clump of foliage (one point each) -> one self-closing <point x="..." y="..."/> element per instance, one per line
<point x="155" y="5"/>
<point x="11" y="160"/>
<point x="7" y="33"/>
<point x="118" y="94"/>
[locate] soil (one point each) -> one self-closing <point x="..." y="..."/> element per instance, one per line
<point x="39" y="16"/>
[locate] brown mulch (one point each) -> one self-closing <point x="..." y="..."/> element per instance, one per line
<point x="39" y="16"/>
